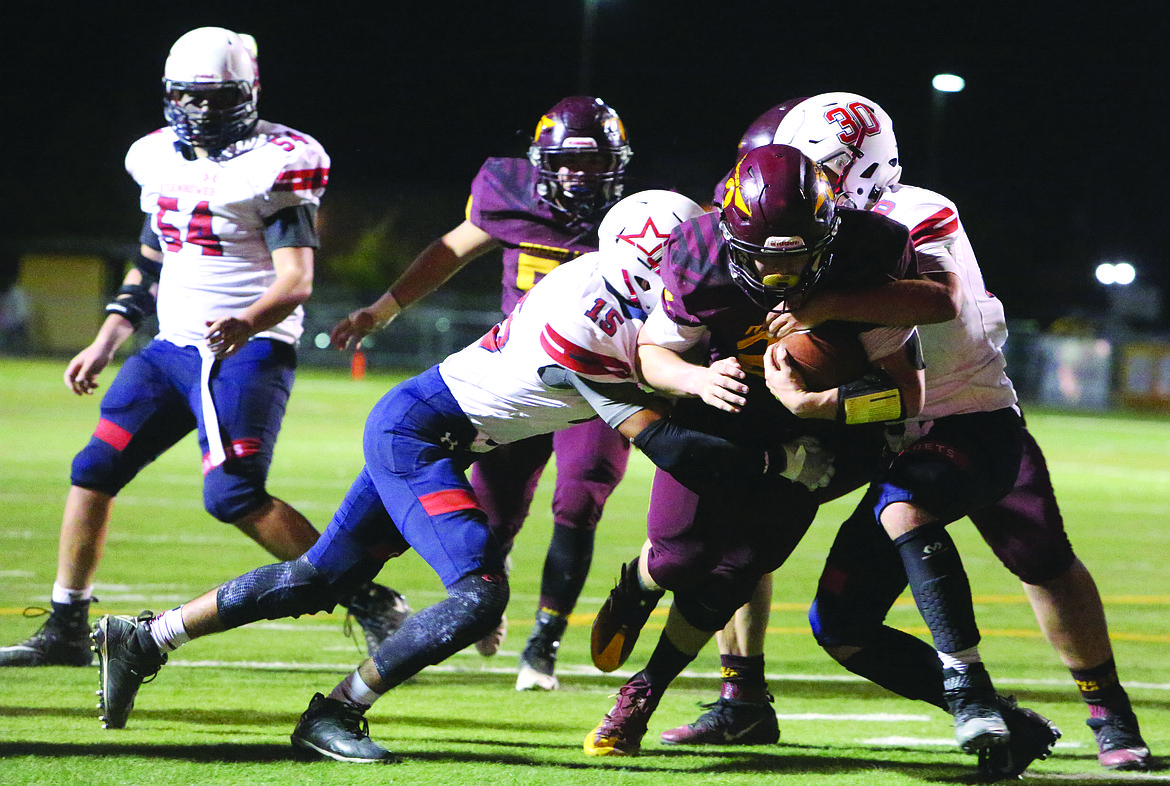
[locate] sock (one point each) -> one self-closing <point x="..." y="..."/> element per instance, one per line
<point x="566" y="566"/>
<point x="961" y="660"/>
<point x="1101" y="689"/>
<point x="168" y="631"/>
<point x="743" y="678"/>
<point x="940" y="587"/>
<point x="354" y="690"/>
<point x="901" y="663"/>
<point x="66" y="596"/>
<point x="666" y="662"/>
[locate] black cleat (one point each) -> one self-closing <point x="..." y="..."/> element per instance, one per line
<point x="338" y="731"/>
<point x="127" y="657"/>
<point x="971" y="699"/>
<point x="620" y="621"/>
<point x="1119" y="742"/>
<point x="1032" y="738"/>
<point x="379" y="611"/>
<point x="729" y="722"/>
<point x="58" y="643"/>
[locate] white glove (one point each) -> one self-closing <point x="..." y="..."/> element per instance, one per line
<point x="808" y="463"/>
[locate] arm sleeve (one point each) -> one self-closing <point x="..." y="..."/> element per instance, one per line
<point x="292" y="227"/>
<point x="701" y="462"/>
<point x="613" y="401"/>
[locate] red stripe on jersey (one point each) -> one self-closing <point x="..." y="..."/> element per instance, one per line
<point x="112" y="434"/>
<point x="302" y="179"/>
<point x="579" y="359"/>
<point x="448" y="501"/>
<point x="938" y="226"/>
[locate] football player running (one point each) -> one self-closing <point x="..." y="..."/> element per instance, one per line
<point x="227" y="245"/>
<point x="1024" y="528"/>
<point x="541" y="211"/>
<point x="779" y="239"/>
<point x="566" y="353"/>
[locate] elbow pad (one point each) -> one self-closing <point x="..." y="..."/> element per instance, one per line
<point x="133" y="302"/>
<point x="699" y="461"/>
<point x="872" y="399"/>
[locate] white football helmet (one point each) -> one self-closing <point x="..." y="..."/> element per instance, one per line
<point x="850" y="136"/>
<point x="632" y="237"/>
<point x="211" y="85"/>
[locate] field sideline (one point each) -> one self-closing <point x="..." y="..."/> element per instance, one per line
<point x="221" y="712"/>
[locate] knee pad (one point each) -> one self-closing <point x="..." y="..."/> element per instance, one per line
<point x="99" y="467"/>
<point x="829" y="628"/>
<point x="844" y="622"/>
<point x="472" y="609"/>
<point x="482" y="599"/>
<point x="235" y="488"/>
<point x="271" y="592"/>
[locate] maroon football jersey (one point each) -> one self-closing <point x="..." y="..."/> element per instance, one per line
<point x="535" y="237"/>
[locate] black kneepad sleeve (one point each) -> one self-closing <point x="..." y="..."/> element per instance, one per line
<point x="271" y="592"/>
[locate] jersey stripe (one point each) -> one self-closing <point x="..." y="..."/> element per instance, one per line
<point x="302" y="179"/>
<point x="579" y="359"/>
<point x="448" y="501"/>
<point x="938" y="226"/>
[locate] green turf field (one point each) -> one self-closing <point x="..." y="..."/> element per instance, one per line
<point x="221" y="712"/>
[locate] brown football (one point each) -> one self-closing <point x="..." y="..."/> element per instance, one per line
<point x="827" y="356"/>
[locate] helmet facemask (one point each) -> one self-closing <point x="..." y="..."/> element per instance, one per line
<point x="211" y="115"/>
<point x="777" y="291"/>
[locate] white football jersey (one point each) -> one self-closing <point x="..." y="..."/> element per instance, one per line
<point x="569" y="319"/>
<point x="209" y="216"/>
<point x="964" y="357"/>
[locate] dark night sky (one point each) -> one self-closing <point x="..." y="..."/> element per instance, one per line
<point x="1050" y="152"/>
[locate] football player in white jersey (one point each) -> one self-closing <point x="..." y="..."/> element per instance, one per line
<point x="228" y="246"/>
<point x="564" y="355"/>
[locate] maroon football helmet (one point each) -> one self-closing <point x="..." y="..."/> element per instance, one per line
<point x="778" y="207"/>
<point x="580" y="152"/>
<point x="762" y="131"/>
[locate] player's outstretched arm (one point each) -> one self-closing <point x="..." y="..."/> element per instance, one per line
<point x="903" y="303"/>
<point x="430" y="269"/>
<point x="720" y="384"/>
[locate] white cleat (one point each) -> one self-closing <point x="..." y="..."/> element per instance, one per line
<point x="531" y="679"/>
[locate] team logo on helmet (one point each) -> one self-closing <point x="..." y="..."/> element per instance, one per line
<point x="734" y="192"/>
<point x="649" y="242"/>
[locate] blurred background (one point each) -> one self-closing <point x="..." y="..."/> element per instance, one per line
<point x="1049" y="149"/>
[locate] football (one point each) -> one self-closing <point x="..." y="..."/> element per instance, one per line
<point x="827" y="356"/>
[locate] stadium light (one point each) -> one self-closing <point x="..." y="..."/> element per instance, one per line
<point x="1116" y="273"/>
<point x="948" y="83"/>
<point x="943" y="84"/>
